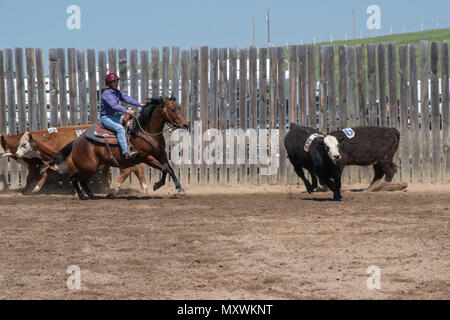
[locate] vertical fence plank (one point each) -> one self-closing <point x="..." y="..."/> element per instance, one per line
<point x="435" y="114"/>
<point x="144" y="75"/>
<point x="414" y="116"/>
<point x="262" y="101"/>
<point x="322" y="90"/>
<point x="343" y="113"/>
<point x="185" y="106"/>
<point x="342" y="53"/>
<point x="403" y="61"/>
<point x="73" y="107"/>
<point x="165" y="86"/>
<point x="3" y="119"/>
<point x="243" y="107"/>
<point x="11" y="100"/>
<point x="361" y="84"/>
<point x="92" y="74"/>
<point x="134" y="92"/>
<point x="20" y="89"/>
<point x="31" y="89"/>
<point x="194" y="112"/>
<point x="393" y="102"/>
<point x="364" y="172"/>
<point x="282" y="114"/>
<point x="62" y="85"/>
<point x="102" y="70"/>
<point x="155" y="94"/>
<point x="372" y="80"/>
<point x="354" y="173"/>
<point x="11" y="92"/>
<point x="3" y="122"/>
<point x="82" y="97"/>
<point x="175" y="88"/>
<point x="53" y="86"/>
<point x="292" y="103"/>
<point x="273" y="98"/>
<point x="213" y="79"/>
<point x="302" y="85"/>
<point x="252" y="111"/>
<point x="204" y="55"/>
<point x="332" y="89"/>
<point x="223" y="109"/>
<point x="292" y="85"/>
<point x="424" y="108"/>
<point x="42" y="103"/>
<point x="311" y="86"/>
<point x="382" y="84"/>
<point x="233" y="105"/>
<point x="445" y="110"/>
<point x="123" y="70"/>
<point x="112" y="60"/>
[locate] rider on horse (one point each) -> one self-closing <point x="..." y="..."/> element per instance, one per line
<point x="112" y="113"/>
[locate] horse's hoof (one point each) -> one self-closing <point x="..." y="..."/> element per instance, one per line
<point x="83" y="198"/>
<point x="181" y="192"/>
<point x="110" y="196"/>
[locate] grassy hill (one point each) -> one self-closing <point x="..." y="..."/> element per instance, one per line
<point x="400" y="38"/>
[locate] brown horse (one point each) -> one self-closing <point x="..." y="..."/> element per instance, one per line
<point x="146" y="138"/>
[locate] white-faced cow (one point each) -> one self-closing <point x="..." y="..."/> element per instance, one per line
<point x="309" y="149"/>
<point x="369" y="145"/>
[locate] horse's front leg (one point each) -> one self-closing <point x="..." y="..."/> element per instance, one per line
<point x="174" y="178"/>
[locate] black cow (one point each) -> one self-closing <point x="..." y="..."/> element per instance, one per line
<point x="308" y="148"/>
<point x="369" y="145"/>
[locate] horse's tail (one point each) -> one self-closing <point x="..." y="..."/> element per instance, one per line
<point x="62" y="154"/>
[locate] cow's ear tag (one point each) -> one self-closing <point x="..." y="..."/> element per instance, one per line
<point x="52" y="130"/>
<point x="349" y="132"/>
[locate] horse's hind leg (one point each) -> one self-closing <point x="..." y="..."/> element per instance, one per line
<point x="74" y="180"/>
<point x="125" y="173"/>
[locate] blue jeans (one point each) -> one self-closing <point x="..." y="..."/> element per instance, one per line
<point x="113" y="123"/>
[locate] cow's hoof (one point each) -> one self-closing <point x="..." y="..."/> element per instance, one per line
<point x="83" y="197"/>
<point x="181" y="192"/>
<point x="110" y="196"/>
<point x="337" y="198"/>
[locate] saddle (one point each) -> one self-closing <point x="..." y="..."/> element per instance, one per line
<point x="99" y="133"/>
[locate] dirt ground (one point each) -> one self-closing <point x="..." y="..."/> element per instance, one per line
<point x="255" y="242"/>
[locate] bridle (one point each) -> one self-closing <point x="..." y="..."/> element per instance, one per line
<point x="172" y="125"/>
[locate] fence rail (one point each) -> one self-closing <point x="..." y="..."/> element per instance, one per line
<point x="326" y="87"/>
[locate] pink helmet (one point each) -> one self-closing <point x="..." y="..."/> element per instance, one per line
<point x="111" y="77"/>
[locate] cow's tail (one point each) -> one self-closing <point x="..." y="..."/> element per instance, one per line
<point x="62" y="155"/>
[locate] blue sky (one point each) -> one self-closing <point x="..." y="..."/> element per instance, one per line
<point x="144" y="24"/>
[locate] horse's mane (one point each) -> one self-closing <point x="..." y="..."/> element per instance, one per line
<point x="145" y="114"/>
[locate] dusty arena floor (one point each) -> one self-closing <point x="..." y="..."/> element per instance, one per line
<point x="265" y="242"/>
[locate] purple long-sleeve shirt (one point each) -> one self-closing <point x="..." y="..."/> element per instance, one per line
<point x="110" y="102"/>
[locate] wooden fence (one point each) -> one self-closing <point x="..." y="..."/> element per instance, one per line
<point x="325" y="86"/>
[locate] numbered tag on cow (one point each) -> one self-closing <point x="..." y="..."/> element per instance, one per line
<point x="79" y="132"/>
<point x="52" y="130"/>
<point x="349" y="132"/>
<point x="310" y="140"/>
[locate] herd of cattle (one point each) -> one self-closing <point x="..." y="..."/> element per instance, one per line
<point x="324" y="156"/>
